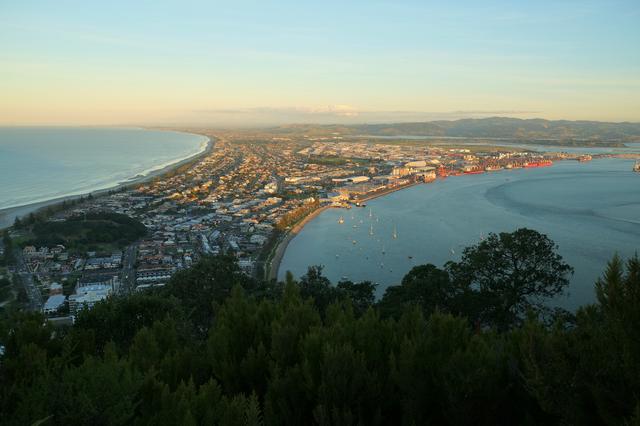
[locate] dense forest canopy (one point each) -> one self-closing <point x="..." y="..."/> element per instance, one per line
<point x="455" y="345"/>
<point x="85" y="230"/>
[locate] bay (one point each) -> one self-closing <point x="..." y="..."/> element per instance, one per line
<point x="591" y="210"/>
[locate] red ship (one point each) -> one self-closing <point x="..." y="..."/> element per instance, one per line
<point x="541" y="163"/>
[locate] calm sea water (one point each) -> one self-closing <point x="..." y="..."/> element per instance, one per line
<point x="39" y="164"/>
<point x="590" y="209"/>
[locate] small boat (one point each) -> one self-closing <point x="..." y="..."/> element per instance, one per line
<point x="341" y="220"/>
<point x="354" y="242"/>
<point x="636" y="167"/>
<point x="395" y="232"/>
<point x="371" y="230"/>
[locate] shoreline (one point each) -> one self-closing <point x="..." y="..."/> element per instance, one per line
<point x="390" y="191"/>
<point x="8" y="215"/>
<point x="281" y="247"/>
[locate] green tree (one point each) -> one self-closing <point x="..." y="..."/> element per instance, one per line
<point x="362" y="294"/>
<point x="510" y="274"/>
<point x="119" y="319"/>
<point x="426" y="286"/>
<point x="100" y="391"/>
<point x="239" y="342"/>
<point x="5" y="289"/>
<point x="317" y="287"/>
<point x="205" y="285"/>
<point x="7" y="242"/>
<point x="589" y="373"/>
<point x="285" y="359"/>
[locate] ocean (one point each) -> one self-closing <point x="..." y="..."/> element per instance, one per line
<point x="591" y="210"/>
<point x="43" y="163"/>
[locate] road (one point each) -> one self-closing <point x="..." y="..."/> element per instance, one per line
<point x="128" y="277"/>
<point x="26" y="277"/>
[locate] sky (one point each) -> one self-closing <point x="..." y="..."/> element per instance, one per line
<point x="252" y="63"/>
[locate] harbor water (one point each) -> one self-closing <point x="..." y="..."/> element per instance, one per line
<point x="591" y="210"/>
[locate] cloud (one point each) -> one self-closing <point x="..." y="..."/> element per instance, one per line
<point x="339" y="110"/>
<point x="335" y="110"/>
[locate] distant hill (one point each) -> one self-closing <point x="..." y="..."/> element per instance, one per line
<point x="494" y="127"/>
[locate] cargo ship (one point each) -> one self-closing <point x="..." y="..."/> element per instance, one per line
<point x="541" y="163"/>
<point x="473" y="170"/>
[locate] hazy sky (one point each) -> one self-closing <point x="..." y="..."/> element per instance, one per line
<point x="245" y="62"/>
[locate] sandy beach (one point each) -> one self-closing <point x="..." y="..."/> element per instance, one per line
<point x="8" y="215"/>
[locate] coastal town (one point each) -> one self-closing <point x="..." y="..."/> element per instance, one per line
<point x="245" y="195"/>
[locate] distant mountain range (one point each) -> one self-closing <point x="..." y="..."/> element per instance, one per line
<point x="495" y="127"/>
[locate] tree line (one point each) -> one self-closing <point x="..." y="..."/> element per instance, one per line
<point x="296" y="215"/>
<point x="8" y="256"/>
<point x="42" y="215"/>
<point x="469" y="343"/>
<point x="82" y="230"/>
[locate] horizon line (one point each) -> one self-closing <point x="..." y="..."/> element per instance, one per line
<point x="283" y="123"/>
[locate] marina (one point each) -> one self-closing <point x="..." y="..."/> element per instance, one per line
<point x="575" y="204"/>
